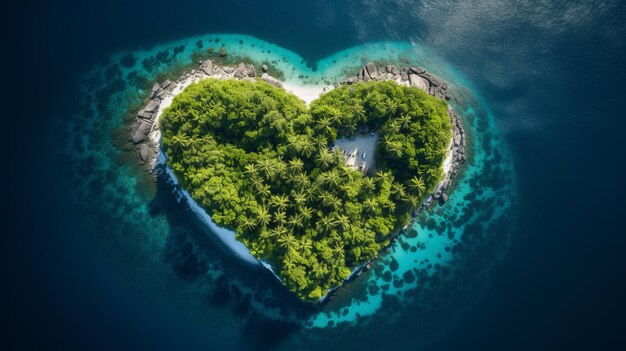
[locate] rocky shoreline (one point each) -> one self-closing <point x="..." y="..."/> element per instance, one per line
<point x="146" y="123"/>
<point x="144" y="132"/>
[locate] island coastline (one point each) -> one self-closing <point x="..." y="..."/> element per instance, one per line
<point x="145" y="133"/>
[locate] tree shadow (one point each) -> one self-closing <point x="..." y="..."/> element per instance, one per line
<point x="233" y="286"/>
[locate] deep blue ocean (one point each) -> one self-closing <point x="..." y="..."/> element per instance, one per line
<point x="527" y="255"/>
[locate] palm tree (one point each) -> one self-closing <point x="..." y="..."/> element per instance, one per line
<point x="398" y="189"/>
<point x="280" y="167"/>
<point x="279" y="201"/>
<point x="288" y="262"/>
<point x="295" y="221"/>
<point x="178" y="116"/>
<point x="280" y="217"/>
<point x="324" y="125"/>
<point x="383" y="176"/>
<point x="394" y="127"/>
<point x="368" y="183"/>
<point x="287" y="240"/>
<point x="334" y="202"/>
<point x="302" y="181"/>
<point x="194" y="142"/>
<point x="391" y="106"/>
<point x="248" y="223"/>
<point x="394" y="150"/>
<point x="263" y="190"/>
<point x="358" y="112"/>
<point x="197" y="117"/>
<point x="411" y="201"/>
<point x="298" y="197"/>
<point x="339" y="251"/>
<point x="266" y="165"/>
<point x="433" y="173"/>
<point x="306" y="213"/>
<point x="350" y="128"/>
<point x="389" y="205"/>
<point x="337" y="157"/>
<point x="306" y="244"/>
<point x="325" y="197"/>
<point x="307" y="146"/>
<point x="264" y="216"/>
<point x="405" y="121"/>
<point x="324" y="159"/>
<point x="417" y="184"/>
<point x="370" y="204"/>
<point x="385" y="140"/>
<point x="320" y="142"/>
<point x="251" y="169"/>
<point x="327" y="223"/>
<point x="293" y="143"/>
<point x="256" y="182"/>
<point x="343" y="222"/>
<point x="179" y="141"/>
<point x="296" y="165"/>
<point x="333" y="177"/>
<point x="216" y="109"/>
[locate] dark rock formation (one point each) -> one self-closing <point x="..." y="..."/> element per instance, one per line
<point x="156" y="89"/>
<point x="244" y="71"/>
<point x="271" y="80"/>
<point x="207" y="67"/>
<point x="152" y="106"/>
<point x="371" y="71"/>
<point x="419" y="82"/>
<point x="144" y="152"/>
<point x="363" y="75"/>
<point x="444" y="198"/>
<point x="140" y="131"/>
<point x="350" y="80"/>
<point x="417" y="70"/>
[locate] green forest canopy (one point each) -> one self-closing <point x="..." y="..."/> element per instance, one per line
<point x="259" y="162"/>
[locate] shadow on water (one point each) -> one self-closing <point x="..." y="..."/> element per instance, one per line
<point x="270" y="313"/>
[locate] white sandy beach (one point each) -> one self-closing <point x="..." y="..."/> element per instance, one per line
<point x="306" y="93"/>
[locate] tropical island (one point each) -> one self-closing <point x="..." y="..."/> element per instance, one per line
<point x="281" y="174"/>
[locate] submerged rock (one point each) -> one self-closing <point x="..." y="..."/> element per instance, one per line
<point x="444" y="198"/>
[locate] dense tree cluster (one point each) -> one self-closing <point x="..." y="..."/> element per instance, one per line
<point x="259" y="162"/>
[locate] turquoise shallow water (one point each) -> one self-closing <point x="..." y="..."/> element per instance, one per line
<point x="456" y="243"/>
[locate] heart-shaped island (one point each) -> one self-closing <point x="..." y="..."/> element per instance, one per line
<point x="314" y="192"/>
